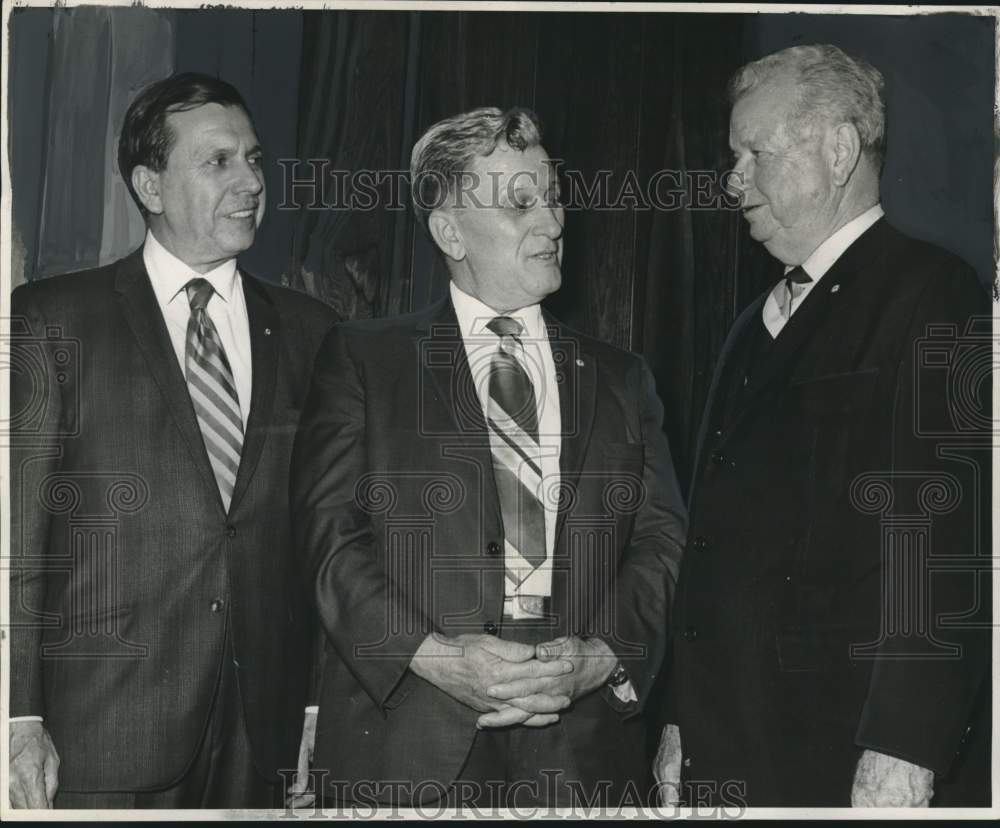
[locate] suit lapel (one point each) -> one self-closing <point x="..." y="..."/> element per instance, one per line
<point x="455" y="412"/>
<point x="142" y="312"/>
<point x="265" y="340"/>
<point x="576" y="378"/>
<point x="819" y="306"/>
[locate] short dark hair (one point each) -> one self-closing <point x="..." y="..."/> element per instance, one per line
<point x="447" y="148"/>
<point x="146" y="139"/>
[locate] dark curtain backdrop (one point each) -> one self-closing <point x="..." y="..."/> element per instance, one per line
<point x="615" y="93"/>
<point x="628" y="94"/>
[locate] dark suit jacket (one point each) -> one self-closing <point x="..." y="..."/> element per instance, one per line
<point x="126" y="569"/>
<point x="401" y="534"/>
<point x="858" y="449"/>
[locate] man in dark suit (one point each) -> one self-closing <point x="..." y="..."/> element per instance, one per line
<point x="488" y="513"/>
<point x="832" y="614"/>
<point x="159" y="648"/>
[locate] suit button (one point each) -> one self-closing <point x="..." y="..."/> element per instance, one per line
<point x="493" y="548"/>
<point x="700" y="544"/>
<point x="490" y="628"/>
<point x="231" y="531"/>
<point x="718" y="433"/>
<point x="690" y="634"/>
<point x="217" y="605"/>
<point x="718" y="458"/>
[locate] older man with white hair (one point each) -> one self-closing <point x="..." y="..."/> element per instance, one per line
<point x="818" y="659"/>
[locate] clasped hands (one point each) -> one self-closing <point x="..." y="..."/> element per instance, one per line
<point x="512" y="683"/>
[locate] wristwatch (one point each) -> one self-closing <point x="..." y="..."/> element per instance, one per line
<point x="618" y="676"/>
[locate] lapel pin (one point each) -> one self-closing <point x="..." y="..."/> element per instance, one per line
<point x="579" y="363"/>
<point x="835" y="288"/>
<point x="267" y="331"/>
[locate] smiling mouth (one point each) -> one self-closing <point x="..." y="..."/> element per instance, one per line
<point x="545" y="256"/>
<point x="243" y="214"/>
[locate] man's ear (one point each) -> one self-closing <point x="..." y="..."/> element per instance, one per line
<point x="446" y="235"/>
<point x="846" y="150"/>
<point x="146" y="183"/>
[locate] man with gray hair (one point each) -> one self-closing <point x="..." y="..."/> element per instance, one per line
<point x="817" y="662"/>
<point x="488" y="509"/>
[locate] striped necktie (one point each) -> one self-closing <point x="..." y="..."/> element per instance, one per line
<point x="212" y="389"/>
<point x="791" y="288"/>
<point x="513" y="423"/>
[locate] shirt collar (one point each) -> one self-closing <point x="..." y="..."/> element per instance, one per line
<point x="169" y="274"/>
<point x="474" y="315"/>
<point x="825" y="256"/>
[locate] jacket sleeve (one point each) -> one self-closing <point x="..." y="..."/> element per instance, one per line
<point x="647" y="577"/>
<point x="36" y="429"/>
<point x="370" y="620"/>
<point x="925" y="679"/>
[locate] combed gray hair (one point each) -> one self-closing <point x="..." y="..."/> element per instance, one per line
<point x="446" y="150"/>
<point x="833" y="87"/>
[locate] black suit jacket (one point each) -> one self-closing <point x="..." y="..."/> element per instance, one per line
<point x="126" y="568"/>
<point x="834" y="595"/>
<point x="401" y="534"/>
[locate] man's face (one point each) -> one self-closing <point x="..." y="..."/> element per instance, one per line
<point x="509" y="227"/>
<point x="789" y="197"/>
<point x="211" y="192"/>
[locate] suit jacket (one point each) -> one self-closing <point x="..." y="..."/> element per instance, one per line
<point x="126" y="568"/>
<point x="401" y="535"/>
<point x="835" y="593"/>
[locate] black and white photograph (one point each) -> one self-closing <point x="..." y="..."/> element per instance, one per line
<point x="441" y="410"/>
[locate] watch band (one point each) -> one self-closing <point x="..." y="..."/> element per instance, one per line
<point x="618" y="676"/>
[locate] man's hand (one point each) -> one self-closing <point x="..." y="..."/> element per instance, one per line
<point x="34" y="766"/>
<point x="592" y="662"/>
<point x="298" y="794"/>
<point x="882" y="781"/>
<point x="466" y="666"/>
<point x="667" y="767"/>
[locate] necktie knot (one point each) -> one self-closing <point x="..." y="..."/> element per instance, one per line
<point x="504" y="326"/>
<point x="199" y="291"/>
<point x="797" y="276"/>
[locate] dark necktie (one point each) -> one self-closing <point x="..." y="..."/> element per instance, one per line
<point x="513" y="422"/>
<point x="213" y="390"/>
<point x="792" y="287"/>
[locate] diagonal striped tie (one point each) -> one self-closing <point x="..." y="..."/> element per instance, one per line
<point x="213" y="391"/>
<point x="513" y="422"/>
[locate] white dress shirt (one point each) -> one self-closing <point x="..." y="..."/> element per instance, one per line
<point x="227" y="309"/>
<point x="536" y="359"/>
<point x="819" y="262"/>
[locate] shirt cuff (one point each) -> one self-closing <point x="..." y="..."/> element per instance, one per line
<point x="13" y="719"/>
<point x="625" y="693"/>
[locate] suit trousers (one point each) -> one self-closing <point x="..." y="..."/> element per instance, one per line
<point x="222" y="773"/>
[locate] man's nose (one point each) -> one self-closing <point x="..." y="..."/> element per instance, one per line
<point x="742" y="176"/>
<point x="550" y="221"/>
<point x="251" y="178"/>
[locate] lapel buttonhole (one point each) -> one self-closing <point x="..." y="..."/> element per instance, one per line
<point x="835" y="289"/>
